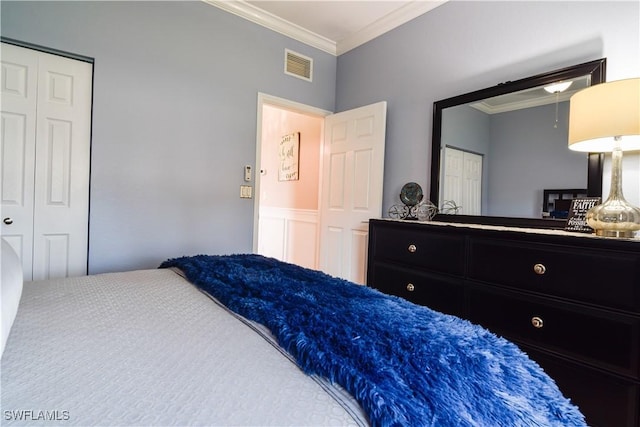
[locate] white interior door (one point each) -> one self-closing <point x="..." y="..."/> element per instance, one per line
<point x="352" y="181"/>
<point x="47" y="188"/>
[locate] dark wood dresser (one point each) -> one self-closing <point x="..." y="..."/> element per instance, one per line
<point x="570" y="301"/>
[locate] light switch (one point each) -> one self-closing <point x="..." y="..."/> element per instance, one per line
<point x="246" y="191"/>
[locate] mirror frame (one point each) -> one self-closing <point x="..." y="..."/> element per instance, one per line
<point x="596" y="69"/>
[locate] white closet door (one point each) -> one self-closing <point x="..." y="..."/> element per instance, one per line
<point x="60" y="192"/>
<point x="63" y="132"/>
<point x="462" y="183"/>
<point x="453" y="176"/>
<point x="472" y="188"/>
<point x="18" y="135"/>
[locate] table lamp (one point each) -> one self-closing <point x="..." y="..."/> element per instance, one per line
<point x="606" y="118"/>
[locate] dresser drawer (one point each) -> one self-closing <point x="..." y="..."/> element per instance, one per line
<point x="601" y="277"/>
<point x="605" y="400"/>
<point x="605" y="339"/>
<point x="436" y="292"/>
<point x="434" y="251"/>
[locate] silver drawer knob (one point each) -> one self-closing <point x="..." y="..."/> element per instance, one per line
<point x="539" y="269"/>
<point x="411" y="287"/>
<point x="537" y="322"/>
<point x="412" y="248"/>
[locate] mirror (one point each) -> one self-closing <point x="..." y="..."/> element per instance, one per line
<point x="500" y="155"/>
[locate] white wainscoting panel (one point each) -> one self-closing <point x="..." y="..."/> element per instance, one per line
<point x="290" y="235"/>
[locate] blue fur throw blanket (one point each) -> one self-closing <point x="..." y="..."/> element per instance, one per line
<point x="405" y="364"/>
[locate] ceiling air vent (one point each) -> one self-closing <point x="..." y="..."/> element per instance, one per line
<point x="298" y="65"/>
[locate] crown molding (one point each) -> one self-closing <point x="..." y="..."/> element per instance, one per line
<point x="519" y="105"/>
<point x="275" y="23"/>
<point x="387" y="23"/>
<point x="261" y="17"/>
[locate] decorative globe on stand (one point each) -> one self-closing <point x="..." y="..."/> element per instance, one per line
<point x="425" y="211"/>
<point x="398" y="211"/>
<point x="411" y="194"/>
<point x="412" y="206"/>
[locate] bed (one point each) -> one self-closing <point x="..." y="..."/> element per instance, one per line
<point x="249" y="340"/>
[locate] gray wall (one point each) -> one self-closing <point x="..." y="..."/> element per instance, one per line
<point x="175" y="99"/>
<point x="174" y="118"/>
<point x="524" y="154"/>
<point x="468" y="129"/>
<point x="463" y="46"/>
<point x="543" y="160"/>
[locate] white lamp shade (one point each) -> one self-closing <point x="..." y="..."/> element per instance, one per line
<point x="601" y="112"/>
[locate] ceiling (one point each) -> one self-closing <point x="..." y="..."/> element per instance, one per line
<point x="532" y="97"/>
<point x="335" y="26"/>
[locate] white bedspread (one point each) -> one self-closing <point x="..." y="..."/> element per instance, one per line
<point x="148" y="348"/>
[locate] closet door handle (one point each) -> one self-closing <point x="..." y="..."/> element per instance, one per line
<point x="8" y="221"/>
<point x="412" y="248"/>
<point x="411" y="287"/>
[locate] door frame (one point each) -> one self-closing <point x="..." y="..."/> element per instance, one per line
<point x="293" y="106"/>
<point x="49" y="50"/>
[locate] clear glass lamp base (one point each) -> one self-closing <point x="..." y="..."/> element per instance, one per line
<point x="614" y="218"/>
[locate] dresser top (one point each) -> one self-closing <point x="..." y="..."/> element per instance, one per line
<point x="537" y="231"/>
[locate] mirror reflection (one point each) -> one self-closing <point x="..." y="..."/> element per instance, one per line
<point x="503" y="153"/>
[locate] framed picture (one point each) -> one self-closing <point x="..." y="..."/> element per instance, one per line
<point x="289" y="153"/>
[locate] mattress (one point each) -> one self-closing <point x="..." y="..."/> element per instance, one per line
<point x="148" y="348"/>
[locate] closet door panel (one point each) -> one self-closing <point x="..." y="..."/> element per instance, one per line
<point x="62" y="167"/>
<point x="18" y="87"/>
